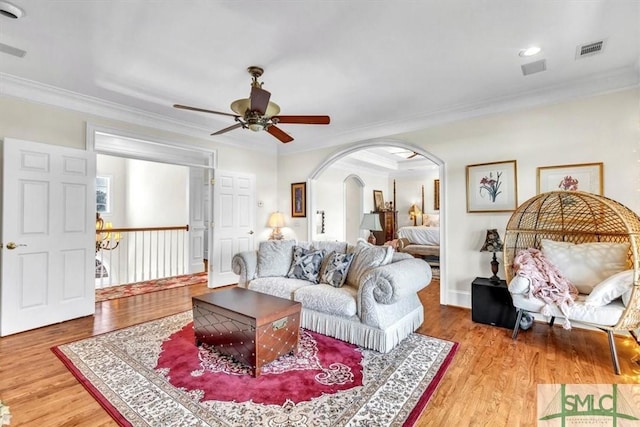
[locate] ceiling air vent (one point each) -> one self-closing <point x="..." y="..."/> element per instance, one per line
<point x="589" y="49"/>
<point x="534" y="67"/>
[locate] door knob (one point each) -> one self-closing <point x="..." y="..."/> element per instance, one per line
<point x="13" y="245"/>
<point x="251" y="232"/>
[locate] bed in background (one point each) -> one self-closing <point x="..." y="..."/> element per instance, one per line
<point x="422" y="241"/>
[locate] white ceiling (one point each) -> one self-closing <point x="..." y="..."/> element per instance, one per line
<point x="376" y="67"/>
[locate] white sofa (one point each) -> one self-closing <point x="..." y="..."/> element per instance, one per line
<point x="376" y="307"/>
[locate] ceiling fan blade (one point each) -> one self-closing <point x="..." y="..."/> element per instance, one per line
<point x="279" y="133"/>
<point x="202" y="110"/>
<point x="412" y="156"/>
<point x="225" y="130"/>
<point x="259" y="99"/>
<point x="304" y="120"/>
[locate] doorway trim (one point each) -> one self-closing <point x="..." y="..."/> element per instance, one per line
<point x="361" y="185"/>
<point x="137" y="146"/>
<point x="399" y="143"/>
<point x="145" y="147"/>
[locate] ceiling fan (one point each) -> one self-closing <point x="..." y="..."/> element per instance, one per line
<point x="258" y="113"/>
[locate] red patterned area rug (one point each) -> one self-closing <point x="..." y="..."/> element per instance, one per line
<point x="132" y="289"/>
<point x="152" y="374"/>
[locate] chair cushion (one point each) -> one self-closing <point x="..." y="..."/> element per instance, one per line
<point x="519" y="285"/>
<point x="274" y="257"/>
<point x="610" y="288"/>
<point x="587" y="264"/>
<point x="607" y="315"/>
<point x="327" y="299"/>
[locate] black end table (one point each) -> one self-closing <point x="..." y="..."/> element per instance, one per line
<point x="491" y="303"/>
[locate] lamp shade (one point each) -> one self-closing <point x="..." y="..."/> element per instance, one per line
<point x="371" y="222"/>
<point x="492" y="242"/>
<point x="276" y="220"/>
<point x="414" y="210"/>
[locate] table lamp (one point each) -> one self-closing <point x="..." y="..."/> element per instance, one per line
<point x="492" y="243"/>
<point x="371" y="222"/>
<point x="276" y="221"/>
<point x="414" y="213"/>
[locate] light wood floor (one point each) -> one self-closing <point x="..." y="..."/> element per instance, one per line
<point x="491" y="382"/>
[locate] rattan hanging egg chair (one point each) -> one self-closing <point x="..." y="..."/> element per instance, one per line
<point x="578" y="217"/>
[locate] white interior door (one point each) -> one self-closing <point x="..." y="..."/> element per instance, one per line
<point x="48" y="235"/>
<point x="233" y="223"/>
<point x="196" y="220"/>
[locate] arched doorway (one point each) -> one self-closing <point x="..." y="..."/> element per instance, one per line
<point x="317" y="173"/>
<point x="353" y="193"/>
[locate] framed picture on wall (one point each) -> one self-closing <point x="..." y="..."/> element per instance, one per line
<point x="492" y="187"/>
<point x="299" y="200"/>
<point x="584" y="177"/>
<point x="378" y="200"/>
<point x="436" y="194"/>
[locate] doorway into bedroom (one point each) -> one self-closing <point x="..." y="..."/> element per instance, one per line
<point x="398" y="181"/>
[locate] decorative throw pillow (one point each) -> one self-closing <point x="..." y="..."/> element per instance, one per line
<point x="433" y="220"/>
<point x="335" y="268"/>
<point x="328" y="246"/>
<point x="610" y="288"/>
<point x="587" y="264"/>
<point x="305" y="264"/>
<point x="274" y="257"/>
<point x="367" y="256"/>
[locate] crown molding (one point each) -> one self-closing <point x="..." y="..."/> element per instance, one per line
<point x="613" y="81"/>
<point x="30" y="90"/>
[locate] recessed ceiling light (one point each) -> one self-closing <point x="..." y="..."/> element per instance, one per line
<point x="530" y="51"/>
<point x="10" y="10"/>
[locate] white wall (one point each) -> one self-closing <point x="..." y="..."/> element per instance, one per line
<point x="409" y="190"/>
<point x="52" y="125"/>
<point x="604" y="128"/>
<point x="157" y="194"/>
<point x="598" y="129"/>
<point x="329" y="196"/>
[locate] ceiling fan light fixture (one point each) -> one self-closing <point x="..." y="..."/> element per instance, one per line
<point x="241" y="106"/>
<point x="10" y="10"/>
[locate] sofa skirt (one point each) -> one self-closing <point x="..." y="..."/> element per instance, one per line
<point x="353" y="331"/>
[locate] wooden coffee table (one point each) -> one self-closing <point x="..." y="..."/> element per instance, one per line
<point x="252" y="327"/>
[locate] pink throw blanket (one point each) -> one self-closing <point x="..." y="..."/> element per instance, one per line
<point x="547" y="283"/>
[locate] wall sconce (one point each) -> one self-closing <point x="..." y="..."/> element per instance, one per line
<point x="492" y="243"/>
<point x="104" y="237"/>
<point x="276" y="221"/>
<point x="414" y="213"/>
<point x="371" y="222"/>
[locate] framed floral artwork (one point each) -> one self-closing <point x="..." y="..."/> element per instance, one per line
<point x="492" y="187"/>
<point x="584" y="177"/>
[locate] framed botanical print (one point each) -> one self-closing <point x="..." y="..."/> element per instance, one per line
<point x="436" y="194"/>
<point x="299" y="200"/>
<point x="584" y="177"/>
<point x="492" y="187"/>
